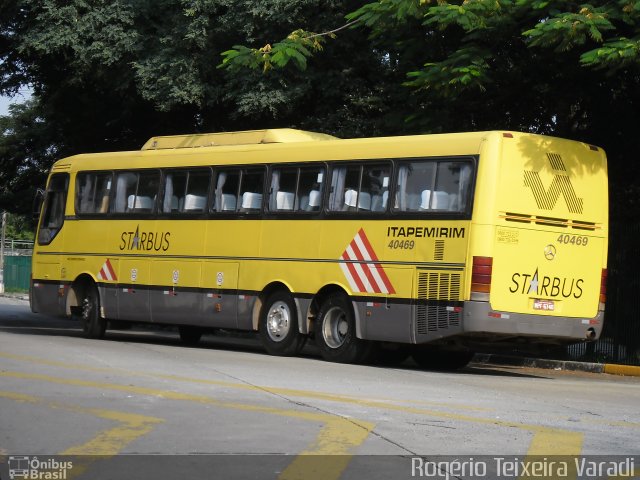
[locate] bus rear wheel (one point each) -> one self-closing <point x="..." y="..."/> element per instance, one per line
<point x="443" y="360"/>
<point x="278" y="329"/>
<point x="93" y="325"/>
<point x="335" y="332"/>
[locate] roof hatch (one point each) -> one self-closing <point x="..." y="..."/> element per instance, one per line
<point x="249" y="137"/>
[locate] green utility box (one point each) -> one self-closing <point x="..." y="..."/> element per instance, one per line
<point x="17" y="272"/>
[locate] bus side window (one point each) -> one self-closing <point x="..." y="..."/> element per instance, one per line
<point x="147" y="192"/>
<point x="126" y="183"/>
<point x="54" y="206"/>
<point x="345" y="182"/>
<point x="195" y="200"/>
<point x="415" y="185"/>
<point x="252" y="185"/>
<point x="359" y="188"/>
<point x="92" y="192"/>
<point x="282" y="190"/>
<point x="433" y="185"/>
<point x="225" y="198"/>
<point x="136" y="192"/>
<point x="309" y="194"/>
<point x="452" y="185"/>
<point x="175" y="184"/>
<point x="375" y="181"/>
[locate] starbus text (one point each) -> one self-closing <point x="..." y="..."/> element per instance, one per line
<point x="543" y="285"/>
<point x="145" y="240"/>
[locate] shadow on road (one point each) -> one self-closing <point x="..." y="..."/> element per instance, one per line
<point x="21" y="322"/>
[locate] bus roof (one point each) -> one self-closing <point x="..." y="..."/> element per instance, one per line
<point x="248" y="137"/>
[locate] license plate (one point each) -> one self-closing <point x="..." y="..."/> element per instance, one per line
<point x="546" y="305"/>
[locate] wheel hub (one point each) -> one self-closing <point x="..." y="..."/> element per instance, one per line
<point x="278" y="321"/>
<point x="335" y="327"/>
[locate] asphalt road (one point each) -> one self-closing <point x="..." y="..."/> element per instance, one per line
<point x="170" y="407"/>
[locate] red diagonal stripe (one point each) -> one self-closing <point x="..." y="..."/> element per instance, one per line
<point x="372" y="254"/>
<point x="367" y="245"/>
<point x="110" y="268"/>
<point x="385" y="279"/>
<point x="354" y="273"/>
<point x="366" y="267"/>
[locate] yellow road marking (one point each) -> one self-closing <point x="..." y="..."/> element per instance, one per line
<point x="338" y="436"/>
<point x="383" y="402"/>
<point x="545" y="440"/>
<point x="108" y="442"/>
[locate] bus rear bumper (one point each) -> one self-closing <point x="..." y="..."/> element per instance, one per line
<point x="479" y="318"/>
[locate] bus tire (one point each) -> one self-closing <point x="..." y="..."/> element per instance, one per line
<point x="93" y="325"/>
<point x="189" y="335"/>
<point x="441" y="360"/>
<point x="335" y="332"/>
<point x="278" y="328"/>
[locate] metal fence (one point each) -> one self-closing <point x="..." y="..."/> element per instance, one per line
<point x="18" y="247"/>
<point x="15" y="265"/>
<point x="17" y="273"/>
<point x="620" y="339"/>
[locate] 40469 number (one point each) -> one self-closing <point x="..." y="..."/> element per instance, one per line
<point x="402" y="244"/>
<point x="573" y="240"/>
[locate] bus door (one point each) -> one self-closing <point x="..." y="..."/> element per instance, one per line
<point x="47" y="295"/>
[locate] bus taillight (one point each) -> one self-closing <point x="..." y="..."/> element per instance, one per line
<point x="603" y="287"/>
<point x="481" y="274"/>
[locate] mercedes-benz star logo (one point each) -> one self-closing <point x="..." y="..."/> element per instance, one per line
<point x="549" y="252"/>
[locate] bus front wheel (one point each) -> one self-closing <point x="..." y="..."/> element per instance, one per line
<point x="335" y="332"/>
<point x="93" y="325"/>
<point x="278" y="328"/>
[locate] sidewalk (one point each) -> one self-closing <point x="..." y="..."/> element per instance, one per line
<point x="506" y="360"/>
<point x="610" y="368"/>
<point x="15" y="295"/>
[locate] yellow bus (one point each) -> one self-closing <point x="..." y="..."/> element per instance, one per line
<point x="436" y="245"/>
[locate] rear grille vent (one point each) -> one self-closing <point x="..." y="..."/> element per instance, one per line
<point x="438" y="254"/>
<point x="439" y="285"/>
<point x="437" y="316"/>
<point x="550" y="221"/>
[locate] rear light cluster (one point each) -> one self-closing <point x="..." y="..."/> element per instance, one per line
<point x="481" y="274"/>
<point x="603" y="286"/>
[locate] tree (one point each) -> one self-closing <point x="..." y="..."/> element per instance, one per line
<point x="555" y="67"/>
<point x="27" y="150"/>
<point x="109" y="74"/>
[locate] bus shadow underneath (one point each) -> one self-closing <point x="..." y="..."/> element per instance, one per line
<point x="225" y="340"/>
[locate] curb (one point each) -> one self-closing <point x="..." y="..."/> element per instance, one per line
<point x="15" y="296"/>
<point x="627" y="370"/>
<point x="609" y="368"/>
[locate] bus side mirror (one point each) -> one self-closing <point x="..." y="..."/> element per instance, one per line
<point x="38" y="200"/>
